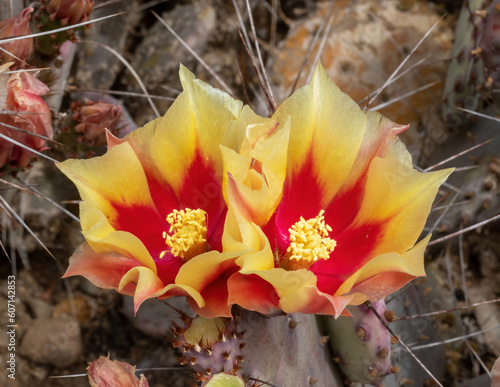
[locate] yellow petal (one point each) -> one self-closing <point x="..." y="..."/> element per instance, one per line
<point x="199" y="120"/>
<point x="326" y="125"/>
<point x="115" y="178"/>
<point x="102" y="237"/>
<point x="400" y="198"/>
<point x="254" y="183"/>
<point x="246" y="238"/>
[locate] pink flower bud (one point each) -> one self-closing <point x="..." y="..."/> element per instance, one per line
<point x="69" y="11"/>
<point x="104" y="372"/>
<point x="17" y="26"/>
<point x="94" y="118"/>
<point x="26" y="111"/>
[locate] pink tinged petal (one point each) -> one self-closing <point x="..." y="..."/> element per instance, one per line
<point x="104" y="270"/>
<point x="310" y="300"/>
<point x="297" y="292"/>
<point x="145" y="284"/>
<point x="389" y="272"/>
<point x="112" y="140"/>
<point x="215" y="295"/>
<point x="252" y="292"/>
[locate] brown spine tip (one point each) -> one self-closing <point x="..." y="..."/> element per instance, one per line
<point x="382" y="354"/>
<point x="361" y="333"/>
<point x="373" y="371"/>
<point x="395" y="370"/>
<point x="292" y="324"/>
<point x="312" y="381"/>
<point x="324" y="339"/>
<point x="389" y="315"/>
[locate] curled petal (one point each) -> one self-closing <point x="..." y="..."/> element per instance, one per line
<point x="104" y="270"/>
<point x="211" y="282"/>
<point x="143" y="283"/>
<point x="254" y="182"/>
<point x="101" y="236"/>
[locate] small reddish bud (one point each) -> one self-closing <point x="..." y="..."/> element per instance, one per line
<point x="105" y="373"/>
<point x="21" y="49"/>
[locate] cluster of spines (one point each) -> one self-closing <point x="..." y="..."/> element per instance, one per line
<point x="208" y="357"/>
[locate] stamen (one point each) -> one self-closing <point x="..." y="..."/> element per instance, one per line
<point x="187" y="235"/>
<point x="309" y="241"/>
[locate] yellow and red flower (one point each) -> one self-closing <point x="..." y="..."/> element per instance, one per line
<point x="308" y="211"/>
<point x="351" y="210"/>
<point x="152" y="209"/>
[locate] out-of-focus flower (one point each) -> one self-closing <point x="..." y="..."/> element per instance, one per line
<point x="104" y="372"/>
<point x="351" y="211"/>
<point x="69" y="12"/>
<point x="152" y="209"/>
<point x="24" y="109"/>
<point x="20" y="50"/>
<point x="54" y="14"/>
<point x="94" y="118"/>
<point x="495" y="374"/>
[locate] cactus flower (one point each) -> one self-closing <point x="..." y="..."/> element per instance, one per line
<point x="18" y="51"/>
<point x="152" y="209"/>
<point x="104" y="372"/>
<point x="351" y="211"/>
<point x="94" y="118"/>
<point x="24" y="109"/>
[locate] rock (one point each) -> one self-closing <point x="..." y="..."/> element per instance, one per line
<point x="39" y="308"/>
<point x="54" y="341"/>
<point x="153" y="317"/>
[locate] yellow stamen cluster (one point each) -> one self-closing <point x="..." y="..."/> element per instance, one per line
<point x="309" y="240"/>
<point x="187" y="235"/>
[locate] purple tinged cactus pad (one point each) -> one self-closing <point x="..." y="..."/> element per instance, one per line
<point x="361" y="344"/>
<point x="209" y="345"/>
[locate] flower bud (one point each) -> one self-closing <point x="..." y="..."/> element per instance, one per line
<point x="20" y="50"/>
<point x="94" y="118"/>
<point x="104" y="372"/>
<point x="25" y="110"/>
<point x="69" y="12"/>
